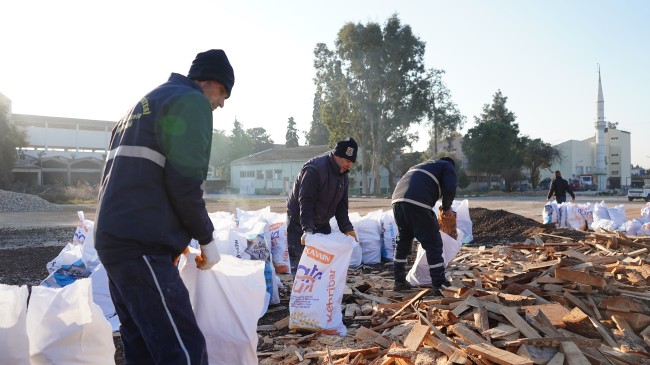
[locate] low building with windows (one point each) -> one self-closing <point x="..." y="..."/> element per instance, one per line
<point x="61" y="150"/>
<point x="272" y="171"/>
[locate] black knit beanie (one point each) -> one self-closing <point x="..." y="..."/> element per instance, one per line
<point x="347" y="148"/>
<point x="213" y="65"/>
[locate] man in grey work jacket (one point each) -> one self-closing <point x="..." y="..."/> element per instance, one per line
<point x="319" y="193"/>
<point x="150" y="207"/>
<point x="414" y="197"/>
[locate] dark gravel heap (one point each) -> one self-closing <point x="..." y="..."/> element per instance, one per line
<point x="498" y="227"/>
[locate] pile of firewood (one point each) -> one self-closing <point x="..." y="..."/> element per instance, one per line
<point x="550" y="300"/>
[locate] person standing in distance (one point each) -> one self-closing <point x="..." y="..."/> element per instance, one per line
<point x="319" y="193"/>
<point x="151" y="205"/>
<point x="414" y="197"/>
<point x="560" y="187"/>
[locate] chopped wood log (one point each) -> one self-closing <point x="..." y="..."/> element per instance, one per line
<point x="467" y="334"/>
<point x="435" y="330"/>
<point x="516" y="320"/>
<point x="408" y="304"/>
<point x="340" y="352"/>
<point x="497" y="355"/>
<point x="284" y="322"/>
<point x="623" y="304"/>
<point x="366" y="333"/>
<point x="456" y="312"/>
<point x="625" y="327"/>
<point x="439" y="345"/>
<point x="578" y="303"/>
<point x="572" y="354"/>
<point x="500" y="331"/>
<point x="481" y="319"/>
<point x="416" y="336"/>
<point x="553" y="311"/>
<point x="538" y="299"/>
<point x="577" y="321"/>
<point x="441" y="317"/>
<point x="542" y="323"/>
<point x="579" y="277"/>
<point x="554" y="341"/>
<point x="458" y="357"/>
<point x="401" y="353"/>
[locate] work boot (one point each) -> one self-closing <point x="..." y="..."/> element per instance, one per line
<point x="436" y="290"/>
<point x="402" y="286"/>
<point x="399" y="273"/>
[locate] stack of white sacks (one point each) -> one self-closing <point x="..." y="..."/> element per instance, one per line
<point x="254" y="249"/>
<point x="597" y="217"/>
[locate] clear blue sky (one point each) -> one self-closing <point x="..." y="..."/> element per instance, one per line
<point x="94" y="59"/>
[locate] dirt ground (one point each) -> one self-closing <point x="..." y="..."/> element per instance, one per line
<point x="28" y="240"/>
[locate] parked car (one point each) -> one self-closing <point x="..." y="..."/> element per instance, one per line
<point x="639" y="193"/>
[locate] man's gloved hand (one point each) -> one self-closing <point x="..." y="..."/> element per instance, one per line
<point x="447" y="213"/>
<point x="209" y="256"/>
<point x="178" y="258"/>
<point x="304" y="236"/>
<point x="352" y="234"/>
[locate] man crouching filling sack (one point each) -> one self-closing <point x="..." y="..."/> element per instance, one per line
<point x="413" y="199"/>
<point x="150" y="207"/>
<point x="320" y="193"/>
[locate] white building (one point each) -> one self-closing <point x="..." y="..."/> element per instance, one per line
<point x="606" y="156"/>
<point x="61" y="150"/>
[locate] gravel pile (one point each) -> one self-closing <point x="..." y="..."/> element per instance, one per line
<point x="11" y="202"/>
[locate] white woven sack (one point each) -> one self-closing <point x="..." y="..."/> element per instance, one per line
<point x="368" y="230"/>
<point x="226" y="300"/>
<point x="357" y="254"/>
<point x="64" y="326"/>
<point x="419" y="273"/>
<point x="275" y="234"/>
<point x="14" y="347"/>
<point x="389" y="235"/>
<point x="317" y="291"/>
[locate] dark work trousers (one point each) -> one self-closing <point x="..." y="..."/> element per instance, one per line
<point x="560" y="198"/>
<point x="294" y="234"/>
<point x="157" y="323"/>
<point x="420" y="223"/>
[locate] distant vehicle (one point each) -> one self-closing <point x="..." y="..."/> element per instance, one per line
<point x="639" y="193"/>
<point x="587" y="183"/>
<point x="582" y="183"/>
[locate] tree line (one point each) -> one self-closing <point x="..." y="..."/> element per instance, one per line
<point x="374" y="86"/>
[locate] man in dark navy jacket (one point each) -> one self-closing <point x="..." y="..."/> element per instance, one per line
<point x="150" y="207"/>
<point x="559" y="187"/>
<point x="414" y="197"/>
<point x="319" y="193"/>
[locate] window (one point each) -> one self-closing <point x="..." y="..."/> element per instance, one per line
<point x="614" y="137"/>
<point x="277" y="174"/>
<point x="269" y="174"/>
<point x="614" y="154"/>
<point x="246" y="173"/>
<point x="260" y="175"/>
<point x="614" y="163"/>
<point x="614" y="173"/>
